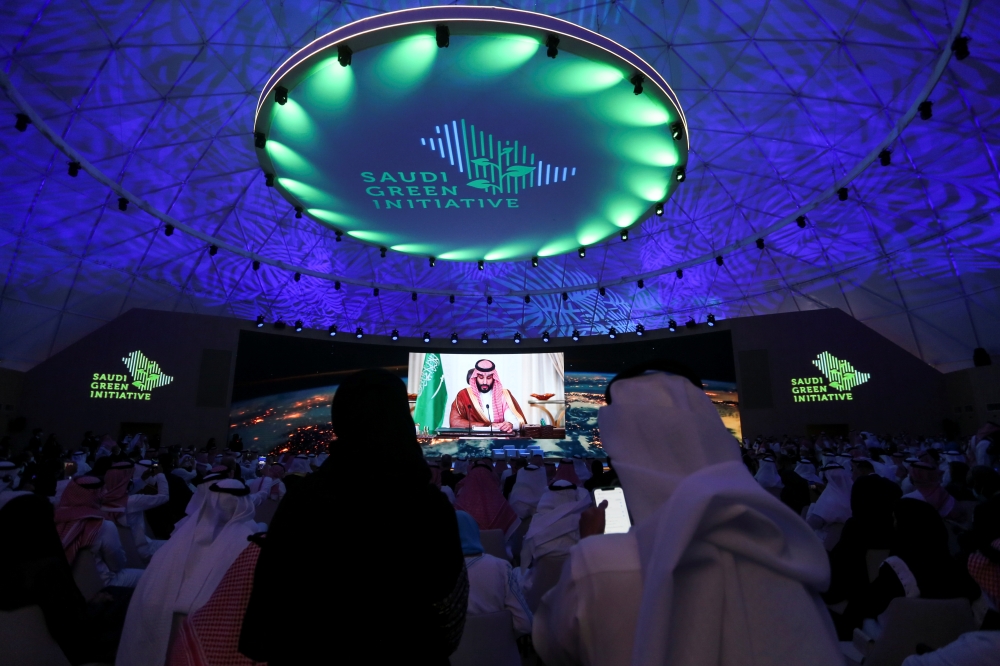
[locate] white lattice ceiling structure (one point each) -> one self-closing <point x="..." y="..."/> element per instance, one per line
<point x="787" y="102"/>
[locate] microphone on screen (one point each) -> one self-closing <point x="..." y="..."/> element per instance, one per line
<point x="491" y="417"/>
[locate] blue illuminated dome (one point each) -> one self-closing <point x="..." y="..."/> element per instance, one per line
<point x="786" y="104"/>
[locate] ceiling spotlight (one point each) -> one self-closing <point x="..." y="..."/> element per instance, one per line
<point x="641" y="283"/>
<point x="259" y="140"/>
<point x="718" y="260"/>
<point x="395" y="335"/>
<point x="527" y="298"/>
<point x="612" y="333"/>
<point x="672" y="326"/>
<point x="297" y="277"/>
<point x="659" y="208"/>
<point x="801" y="221"/>
<point x="680" y="174"/>
<point x="344" y="55"/>
<point x="534" y="262"/>
<point x="256" y="265"/>
<point x="517" y="338"/>
<point x="454" y="338"/>
<point x="925" y="109"/>
<point x="279" y="325"/>
<point x="122" y="203"/>
<point x="281" y="95"/>
<point x="960" y="47"/>
<point x="485" y="338"/>
<point x="451" y="299"/>
<point x="298" y="326"/>
<point x="427" y="336"/>
<point x="760" y="243"/>
<point x="336" y="285"/>
<point x="74" y="169"/>
<point x="565" y="296"/>
<point x="680" y="273"/>
<point x="677" y="131"/>
<point x="601" y="291"/>
<point x="885" y="157"/>
<point x="545" y="336"/>
<point x="482" y="265"/>
<point x="691" y="323"/>
<point x="375" y="291"/>
<point x="298" y="212"/>
<point x="260" y="321"/>
<point x="489" y="300"/>
<point x="576" y="335"/>
<point x="842" y="194"/>
<point x="711" y="320"/>
<point x="168" y="230"/>
<point x="636" y="82"/>
<point x="624" y="234"/>
<point x="443" y="36"/>
<point x="382" y="251"/>
<point x="213" y="250"/>
<point x="332" y="330"/>
<point x="340" y="236"/>
<point x="413" y="296"/>
<point x="359" y="333"/>
<point x="640" y="329"/>
<point x="431" y="261"/>
<point x="582" y="252"/>
<point x="22" y="121"/>
<point x="552" y="46"/>
<point x="269" y="179"/>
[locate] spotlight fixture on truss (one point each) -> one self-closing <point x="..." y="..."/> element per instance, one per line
<point x="168" y="230"/>
<point x="711" y="320"/>
<point x="298" y="325"/>
<point x="545" y="336"/>
<point x="122" y="204"/>
<point x="74" y="169"/>
<point x="576" y="335"/>
<point x="332" y="330"/>
<point x="640" y="329"/>
<point x="454" y="338"/>
<point x="552" y="46"/>
<point x="485" y="338"/>
<point x="344" y="54"/>
<point x="359" y="333"/>
<point x="636" y="82"/>
<point x="281" y="95"/>
<point x="842" y="193"/>
<point x="260" y="321"/>
<point x="443" y="36"/>
<point x="394" y="335"/>
<point x="517" y="338"/>
<point x="213" y="250"/>
<point x="612" y="333"/>
<point x="427" y="336"/>
<point x="672" y="326"/>
<point x="21" y="122"/>
<point x="926" y="109"/>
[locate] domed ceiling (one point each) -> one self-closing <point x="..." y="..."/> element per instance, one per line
<point x="791" y="107"/>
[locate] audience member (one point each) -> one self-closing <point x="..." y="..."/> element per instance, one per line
<point x="493" y="584"/>
<point x="834" y="503"/>
<point x="555" y="527"/>
<point x="529" y="486"/>
<point x="185" y="571"/>
<point x="479" y="495"/>
<point x="716" y="570"/>
<point x="421" y="593"/>
<point x="81" y="523"/>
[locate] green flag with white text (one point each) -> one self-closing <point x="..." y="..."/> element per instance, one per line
<point x="432" y="396"/>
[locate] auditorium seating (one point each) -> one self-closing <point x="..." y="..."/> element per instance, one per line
<point x="488" y="640"/>
<point x="908" y="623"/>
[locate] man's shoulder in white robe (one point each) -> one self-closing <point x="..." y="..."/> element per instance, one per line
<point x="591" y="615"/>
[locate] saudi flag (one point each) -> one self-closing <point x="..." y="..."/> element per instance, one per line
<point x="432" y="396"/>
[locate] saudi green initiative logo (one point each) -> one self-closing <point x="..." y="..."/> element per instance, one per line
<point x="493" y="166"/>
<point x="146" y="375"/>
<point x="837" y="383"/>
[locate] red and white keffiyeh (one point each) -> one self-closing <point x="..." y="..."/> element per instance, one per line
<point x="78" y="515"/>
<point x="211" y="635"/>
<point x="499" y="402"/>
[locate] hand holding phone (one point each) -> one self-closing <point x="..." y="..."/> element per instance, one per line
<point x="616" y="516"/>
<point x="593" y="520"/>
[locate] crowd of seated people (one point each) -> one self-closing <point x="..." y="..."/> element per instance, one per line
<point x="774" y="551"/>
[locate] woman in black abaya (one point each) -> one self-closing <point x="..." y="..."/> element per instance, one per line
<point x="385" y="573"/>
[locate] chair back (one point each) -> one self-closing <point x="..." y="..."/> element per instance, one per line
<point x="545" y="574"/>
<point x="85" y="573"/>
<point x="494" y="543"/>
<point x="26" y="641"/>
<point x="132" y="558"/>
<point x="907" y="622"/>
<point x="874" y="559"/>
<point x="265" y="511"/>
<point x="488" y="640"/>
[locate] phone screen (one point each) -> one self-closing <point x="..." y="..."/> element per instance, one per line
<point x="616" y="515"/>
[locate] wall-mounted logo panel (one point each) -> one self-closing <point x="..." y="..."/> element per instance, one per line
<point x="143" y="376"/>
<point x="839" y="379"/>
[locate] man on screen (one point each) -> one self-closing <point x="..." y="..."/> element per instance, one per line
<point x="486" y="401"/>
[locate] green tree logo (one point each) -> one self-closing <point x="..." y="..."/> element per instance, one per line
<point x="146" y="374"/>
<point x="840" y="374"/>
<point x="492" y="164"/>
